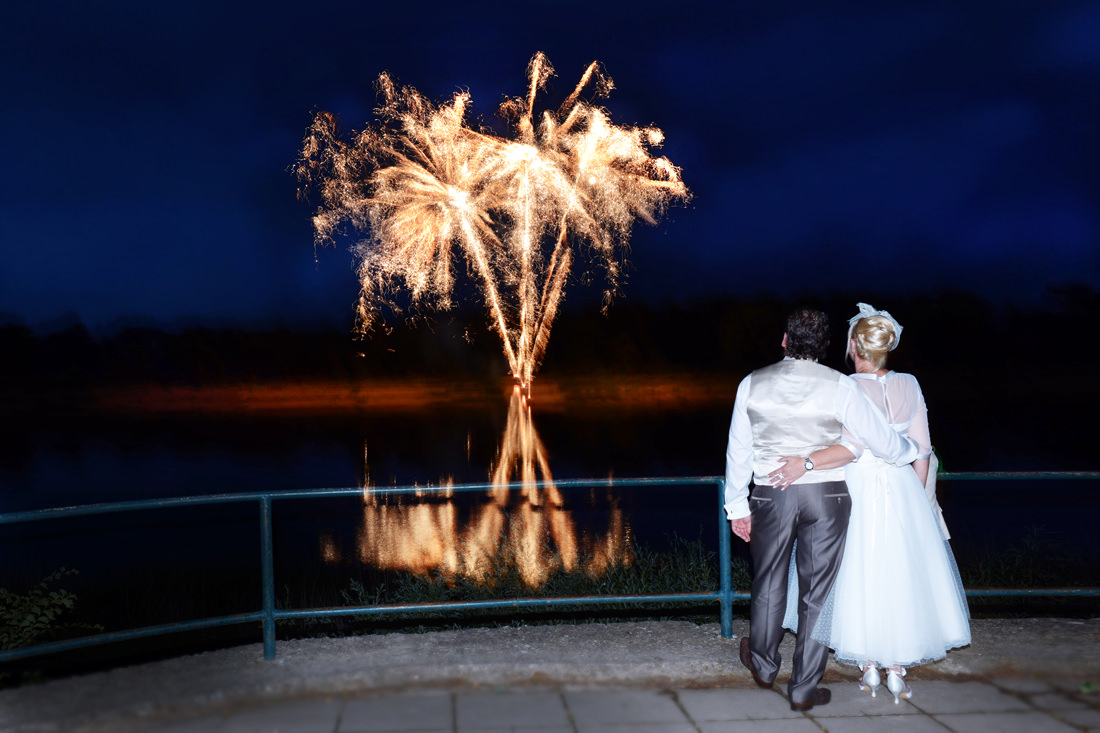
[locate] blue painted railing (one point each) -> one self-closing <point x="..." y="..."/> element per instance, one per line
<point x="268" y="615"/>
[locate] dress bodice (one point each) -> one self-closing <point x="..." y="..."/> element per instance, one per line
<point x="898" y="396"/>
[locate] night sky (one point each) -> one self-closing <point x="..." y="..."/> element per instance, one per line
<point x="830" y="147"/>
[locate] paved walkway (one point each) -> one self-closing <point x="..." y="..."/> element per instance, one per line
<point x="650" y="677"/>
<point x="998" y="705"/>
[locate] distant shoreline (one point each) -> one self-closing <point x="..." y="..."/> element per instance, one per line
<point x="548" y="394"/>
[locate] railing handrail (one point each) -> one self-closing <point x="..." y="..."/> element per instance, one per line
<point x="268" y="615"/>
<point x="415" y="489"/>
<point x="411" y="489"/>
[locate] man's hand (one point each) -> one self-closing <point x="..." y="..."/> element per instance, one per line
<point x="742" y="527"/>
<point x="793" y="468"/>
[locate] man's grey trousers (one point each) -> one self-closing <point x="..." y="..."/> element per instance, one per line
<point x="817" y="516"/>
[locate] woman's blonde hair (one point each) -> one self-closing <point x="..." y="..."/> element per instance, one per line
<point x="874" y="337"/>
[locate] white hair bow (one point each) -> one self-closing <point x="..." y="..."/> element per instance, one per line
<point x="866" y="311"/>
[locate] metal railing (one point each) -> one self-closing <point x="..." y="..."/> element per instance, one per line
<point x="268" y="615"/>
<point x="1024" y="476"/>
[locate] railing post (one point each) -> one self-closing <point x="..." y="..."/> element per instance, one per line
<point x="725" y="570"/>
<point x="267" y="562"/>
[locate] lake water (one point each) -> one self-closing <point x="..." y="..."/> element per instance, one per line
<point x="92" y="458"/>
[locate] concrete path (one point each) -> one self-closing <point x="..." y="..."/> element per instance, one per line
<point x="661" y="676"/>
<point x="998" y="705"/>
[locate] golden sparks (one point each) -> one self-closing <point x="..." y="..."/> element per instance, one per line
<point x="426" y="186"/>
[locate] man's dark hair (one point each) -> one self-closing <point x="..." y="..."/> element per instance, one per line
<point x="807" y="334"/>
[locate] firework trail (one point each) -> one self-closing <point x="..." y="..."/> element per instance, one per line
<point x="426" y="186"/>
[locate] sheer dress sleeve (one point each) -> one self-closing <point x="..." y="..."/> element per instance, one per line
<point x="918" y="425"/>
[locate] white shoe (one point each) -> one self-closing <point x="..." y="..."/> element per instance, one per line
<point x="897" y="687"/>
<point x="870" y="679"/>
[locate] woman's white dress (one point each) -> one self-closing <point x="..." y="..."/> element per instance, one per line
<point x="898" y="598"/>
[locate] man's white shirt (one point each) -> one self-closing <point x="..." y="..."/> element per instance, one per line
<point x="853" y="410"/>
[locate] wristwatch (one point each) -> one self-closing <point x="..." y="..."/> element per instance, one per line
<point x="809" y="464"/>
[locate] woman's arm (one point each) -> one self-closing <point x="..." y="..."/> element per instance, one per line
<point x="921" y="467"/>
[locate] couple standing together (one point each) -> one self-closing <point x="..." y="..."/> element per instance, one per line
<point x="848" y="547"/>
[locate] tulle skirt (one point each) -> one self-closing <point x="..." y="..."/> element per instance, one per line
<point x="898" y="598"/>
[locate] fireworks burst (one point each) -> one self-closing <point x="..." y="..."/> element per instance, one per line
<point x="426" y="186"/>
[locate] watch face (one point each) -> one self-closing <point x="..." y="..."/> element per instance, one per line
<point x="809" y="465"/>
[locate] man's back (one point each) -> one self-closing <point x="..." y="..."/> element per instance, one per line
<point x="792" y="411"/>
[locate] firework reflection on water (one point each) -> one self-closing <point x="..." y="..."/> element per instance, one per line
<point x="529" y="529"/>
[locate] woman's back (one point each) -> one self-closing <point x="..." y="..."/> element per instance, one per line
<point x="898" y="396"/>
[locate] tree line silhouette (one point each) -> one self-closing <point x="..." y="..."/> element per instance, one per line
<point x="955" y="332"/>
<point x="1008" y="386"/>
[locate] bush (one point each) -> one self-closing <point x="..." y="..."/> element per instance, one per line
<point x="36" y="615"/>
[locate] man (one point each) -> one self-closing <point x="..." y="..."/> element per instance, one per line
<point x="797" y="407"/>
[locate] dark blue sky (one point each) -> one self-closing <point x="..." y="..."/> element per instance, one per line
<point x="829" y="147"/>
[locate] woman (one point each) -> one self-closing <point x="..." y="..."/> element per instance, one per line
<point x="898" y="600"/>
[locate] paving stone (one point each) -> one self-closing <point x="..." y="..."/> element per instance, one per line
<point x="297" y="716"/>
<point x="1089" y="719"/>
<point x="208" y="724"/>
<point x="684" y="727"/>
<point x="622" y="708"/>
<point x="1023" y="722"/>
<point x="711" y="705"/>
<point x="874" y="724"/>
<point x="423" y="712"/>
<point x="477" y="728"/>
<point x="1022" y="684"/>
<point x="939" y="697"/>
<point x="1055" y="701"/>
<point x="801" y="724"/>
<point x="510" y="710"/>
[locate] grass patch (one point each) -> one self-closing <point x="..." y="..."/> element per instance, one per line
<point x="687" y="566"/>
<point x="1039" y="559"/>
